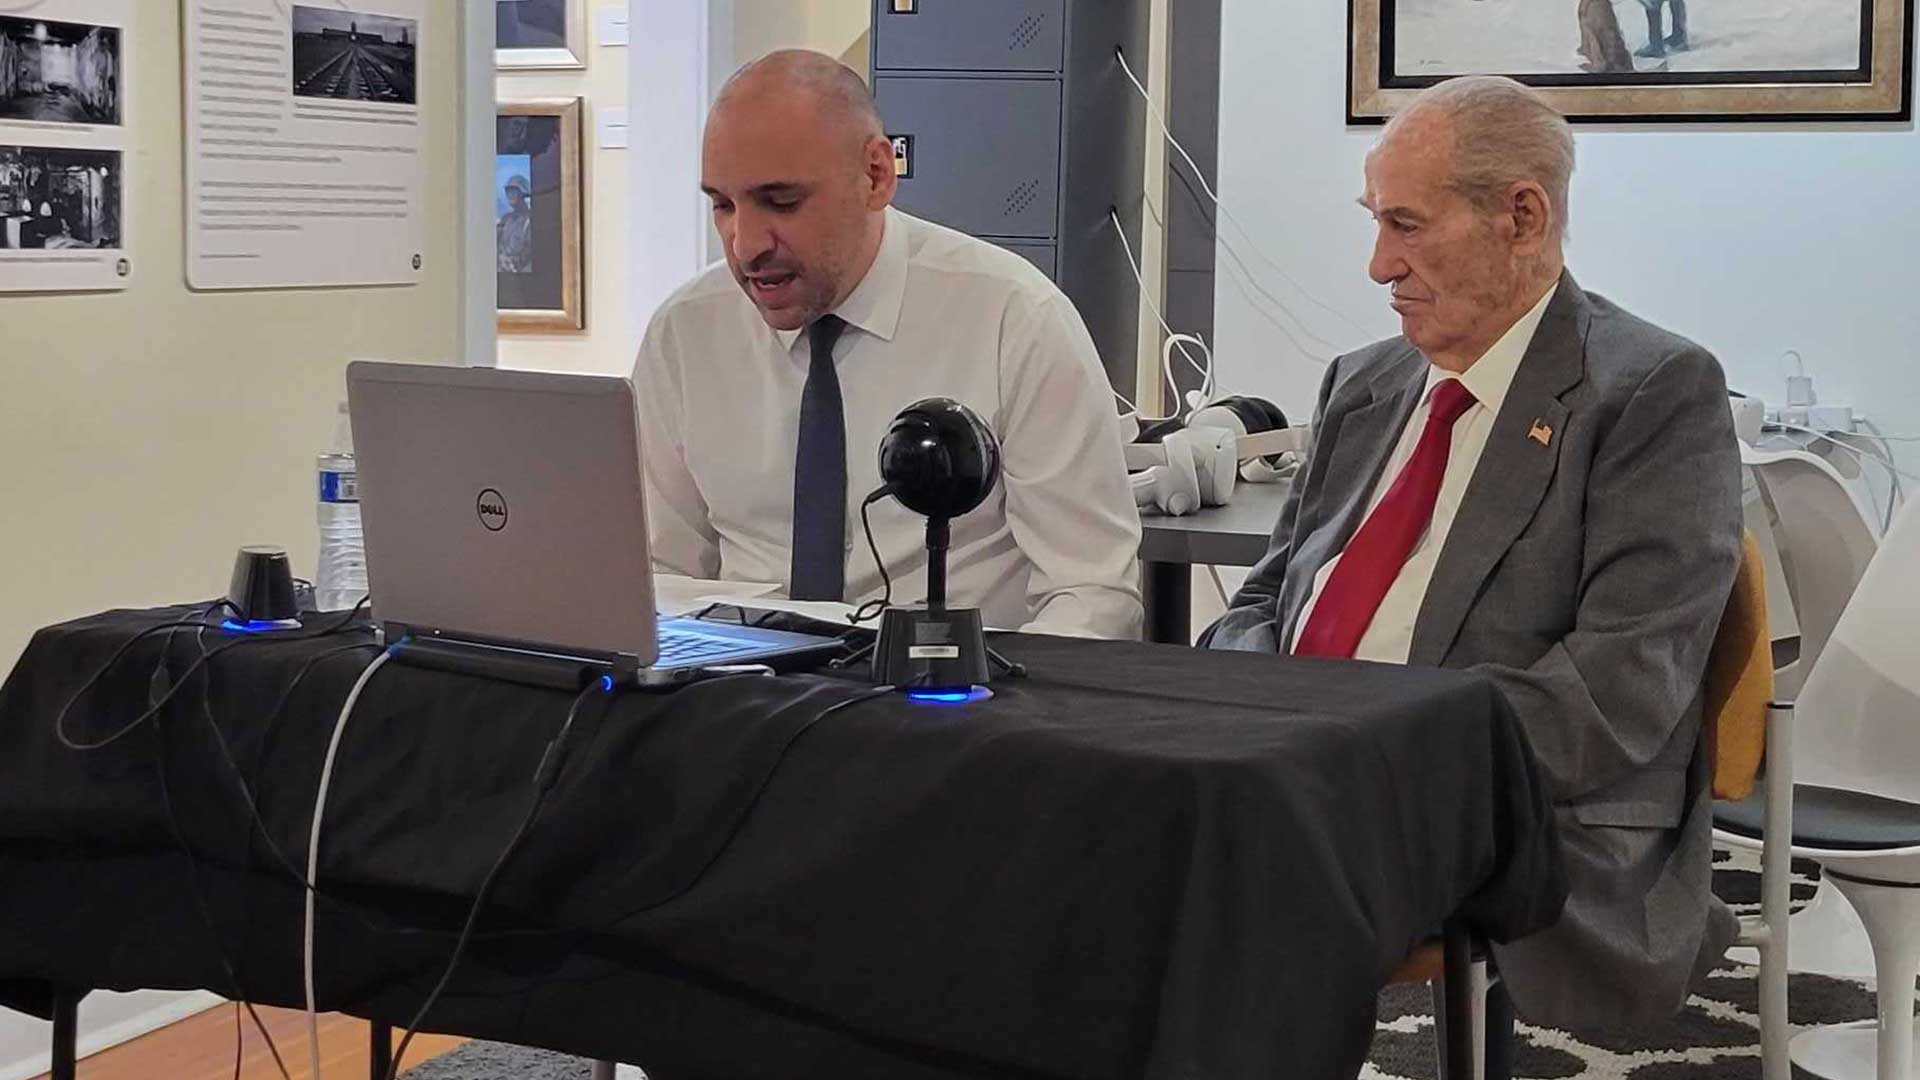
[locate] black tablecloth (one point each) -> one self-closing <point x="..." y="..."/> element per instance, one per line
<point x="1140" y="861"/>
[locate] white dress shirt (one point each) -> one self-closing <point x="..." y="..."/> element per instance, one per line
<point x="1054" y="548"/>
<point x="1389" y="637"/>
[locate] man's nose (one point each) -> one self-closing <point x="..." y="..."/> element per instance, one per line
<point x="1387" y="265"/>
<point x="752" y="238"/>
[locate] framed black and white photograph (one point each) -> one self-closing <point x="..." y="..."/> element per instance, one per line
<point x="1654" y="60"/>
<point x="540" y="33"/>
<point x="59" y="198"/>
<point x="539" y="236"/>
<point x="59" y="72"/>
<point x="354" y="56"/>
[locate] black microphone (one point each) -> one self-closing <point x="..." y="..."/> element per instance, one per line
<point x="940" y="460"/>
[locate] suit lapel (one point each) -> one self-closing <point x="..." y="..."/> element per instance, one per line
<point x="1362" y="439"/>
<point x="1514" y="472"/>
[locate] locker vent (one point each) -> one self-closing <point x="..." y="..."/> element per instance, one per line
<point x="1020" y="198"/>
<point x="1026" y="33"/>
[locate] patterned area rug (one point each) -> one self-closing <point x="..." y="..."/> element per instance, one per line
<point x="1717" y="1036"/>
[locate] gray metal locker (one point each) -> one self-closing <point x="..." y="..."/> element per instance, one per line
<point x="1013" y="122"/>
<point x="984" y="153"/>
<point x="1040" y="255"/>
<point x="970" y="35"/>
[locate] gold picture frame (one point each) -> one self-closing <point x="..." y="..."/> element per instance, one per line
<point x="1704" y="73"/>
<point x="568" y="51"/>
<point x="539" y="235"/>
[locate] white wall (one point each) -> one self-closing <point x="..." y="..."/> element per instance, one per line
<point x="612" y="333"/>
<point x="147" y="434"/>
<point x="829" y="26"/>
<point x="1751" y="240"/>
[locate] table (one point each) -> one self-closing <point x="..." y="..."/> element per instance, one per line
<point x="1139" y="861"/>
<point x="1232" y="535"/>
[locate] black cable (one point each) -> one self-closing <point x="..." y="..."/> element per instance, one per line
<point x="861" y="614"/>
<point x="239" y="993"/>
<point x="739" y="612"/>
<point x="240" y="996"/>
<point x="544" y="776"/>
<point x="257" y="822"/>
<point x="766" y="780"/>
<point x="206" y="658"/>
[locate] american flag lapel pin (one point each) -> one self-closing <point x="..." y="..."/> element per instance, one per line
<point x="1541" y="432"/>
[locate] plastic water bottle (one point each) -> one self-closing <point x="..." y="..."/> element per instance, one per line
<point x="341" y="580"/>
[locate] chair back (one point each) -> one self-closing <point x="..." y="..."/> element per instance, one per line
<point x="1858" y="723"/>
<point x="1823" y="539"/>
<point x="1739" y="681"/>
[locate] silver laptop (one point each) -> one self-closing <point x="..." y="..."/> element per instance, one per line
<point x="505" y="517"/>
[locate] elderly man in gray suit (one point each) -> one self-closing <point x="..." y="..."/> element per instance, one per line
<point x="1531" y="484"/>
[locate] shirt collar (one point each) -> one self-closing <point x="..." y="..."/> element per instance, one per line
<point x="1492" y="375"/>
<point x="874" y="305"/>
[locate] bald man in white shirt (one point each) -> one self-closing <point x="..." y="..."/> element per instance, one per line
<point x="766" y="384"/>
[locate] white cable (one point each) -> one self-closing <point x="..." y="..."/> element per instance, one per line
<point x="313" y="854"/>
<point x="1146" y="294"/>
<point x="1899" y="493"/>
<point x="1278" y="304"/>
<point x="1895" y="497"/>
<point x="1875" y="428"/>
<point x="1205" y="372"/>
<point x="1166" y="131"/>
<point x="1896" y="492"/>
<point x="1885" y="462"/>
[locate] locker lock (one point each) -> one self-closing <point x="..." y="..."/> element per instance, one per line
<point x="902" y="155"/>
<point x="906" y="7"/>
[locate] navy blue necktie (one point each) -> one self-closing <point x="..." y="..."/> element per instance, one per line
<point x="820" y="475"/>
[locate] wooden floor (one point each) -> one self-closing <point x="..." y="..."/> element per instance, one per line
<point x="201" y="1047"/>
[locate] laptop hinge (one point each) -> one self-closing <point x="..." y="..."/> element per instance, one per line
<point x="518" y="662"/>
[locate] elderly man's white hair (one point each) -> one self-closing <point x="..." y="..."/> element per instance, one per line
<point x="1502" y="133"/>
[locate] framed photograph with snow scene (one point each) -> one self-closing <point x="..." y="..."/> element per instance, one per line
<point x="1644" y="60"/>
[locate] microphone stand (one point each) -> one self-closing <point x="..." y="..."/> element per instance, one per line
<point x="956" y="631"/>
<point x="939" y="539"/>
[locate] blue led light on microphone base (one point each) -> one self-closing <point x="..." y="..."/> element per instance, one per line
<point x="606" y="683"/>
<point x="262" y="591"/>
<point x="950" y="697"/>
<point x="258" y="626"/>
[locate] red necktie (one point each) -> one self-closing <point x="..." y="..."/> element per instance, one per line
<point x="1374" y="556"/>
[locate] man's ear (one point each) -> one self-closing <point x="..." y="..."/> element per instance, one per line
<point x="1532" y="214"/>
<point x="877" y="172"/>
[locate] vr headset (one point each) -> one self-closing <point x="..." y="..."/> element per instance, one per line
<point x="1181" y="465"/>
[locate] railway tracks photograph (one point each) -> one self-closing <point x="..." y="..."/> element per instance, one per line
<point x="353" y="56"/>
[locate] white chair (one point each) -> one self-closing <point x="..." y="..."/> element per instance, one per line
<point x="1818" y="542"/>
<point x="1823" y="542"/>
<point x="1854" y="764"/>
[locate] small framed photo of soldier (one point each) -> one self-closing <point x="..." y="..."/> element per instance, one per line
<point x="1644" y="60"/>
<point x="539" y="34"/>
<point x="539" y="235"/>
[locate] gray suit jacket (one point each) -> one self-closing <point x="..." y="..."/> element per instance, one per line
<point x="1586" y="578"/>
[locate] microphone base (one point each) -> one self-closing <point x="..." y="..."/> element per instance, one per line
<point x="919" y="649"/>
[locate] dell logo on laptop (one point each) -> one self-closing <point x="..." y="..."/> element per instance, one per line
<point x="492" y="508"/>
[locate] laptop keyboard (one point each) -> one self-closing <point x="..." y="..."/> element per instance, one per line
<point x="680" y="647"/>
